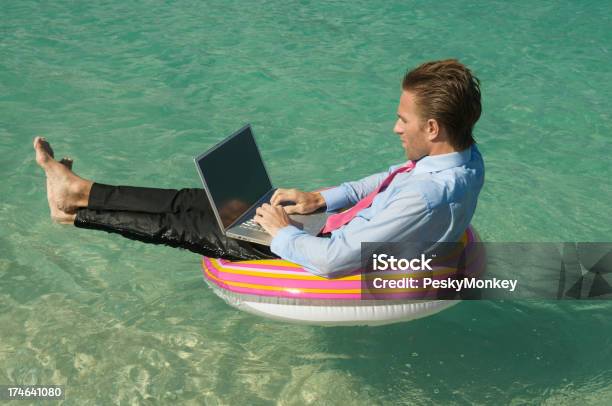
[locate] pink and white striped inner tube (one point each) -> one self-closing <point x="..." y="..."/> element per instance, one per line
<point x="285" y="291"/>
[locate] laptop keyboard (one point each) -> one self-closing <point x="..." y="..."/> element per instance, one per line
<point x="252" y="225"/>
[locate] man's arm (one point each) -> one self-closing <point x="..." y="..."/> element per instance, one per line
<point x="349" y="193"/>
<point x="404" y="218"/>
<point x="344" y="195"/>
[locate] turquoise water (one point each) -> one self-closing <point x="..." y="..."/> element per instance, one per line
<point x="133" y="90"/>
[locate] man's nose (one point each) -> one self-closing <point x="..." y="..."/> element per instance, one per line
<point x="398" y="129"/>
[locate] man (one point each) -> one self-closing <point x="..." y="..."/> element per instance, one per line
<point x="431" y="198"/>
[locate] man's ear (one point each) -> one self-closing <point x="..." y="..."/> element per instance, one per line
<point x="433" y="129"/>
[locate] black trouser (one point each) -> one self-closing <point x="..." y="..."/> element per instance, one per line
<point x="178" y="218"/>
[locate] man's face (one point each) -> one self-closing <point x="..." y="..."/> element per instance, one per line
<point x="411" y="128"/>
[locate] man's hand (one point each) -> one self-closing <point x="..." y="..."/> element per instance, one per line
<point x="303" y="202"/>
<point x="271" y="218"/>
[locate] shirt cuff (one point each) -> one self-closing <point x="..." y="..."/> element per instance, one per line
<point x="280" y="242"/>
<point x="335" y="198"/>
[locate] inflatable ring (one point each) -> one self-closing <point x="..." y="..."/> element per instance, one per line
<point x="282" y="290"/>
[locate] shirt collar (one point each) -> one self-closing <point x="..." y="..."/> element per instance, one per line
<point x="437" y="163"/>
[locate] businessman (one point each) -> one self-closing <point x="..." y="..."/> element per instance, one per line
<point x="430" y="197"/>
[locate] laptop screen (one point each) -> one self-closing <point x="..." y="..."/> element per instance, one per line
<point x="235" y="175"/>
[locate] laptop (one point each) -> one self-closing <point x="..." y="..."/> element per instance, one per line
<point x="237" y="183"/>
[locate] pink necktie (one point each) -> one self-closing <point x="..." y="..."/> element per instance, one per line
<point x="336" y="221"/>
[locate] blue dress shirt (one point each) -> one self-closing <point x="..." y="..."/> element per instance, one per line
<point x="435" y="201"/>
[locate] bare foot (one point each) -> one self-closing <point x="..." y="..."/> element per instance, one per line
<point x="58" y="215"/>
<point x="66" y="191"/>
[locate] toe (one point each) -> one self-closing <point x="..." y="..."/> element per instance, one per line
<point x="42" y="147"/>
<point x="67" y="162"/>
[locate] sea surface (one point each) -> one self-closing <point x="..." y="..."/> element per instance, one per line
<point x="133" y="90"/>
